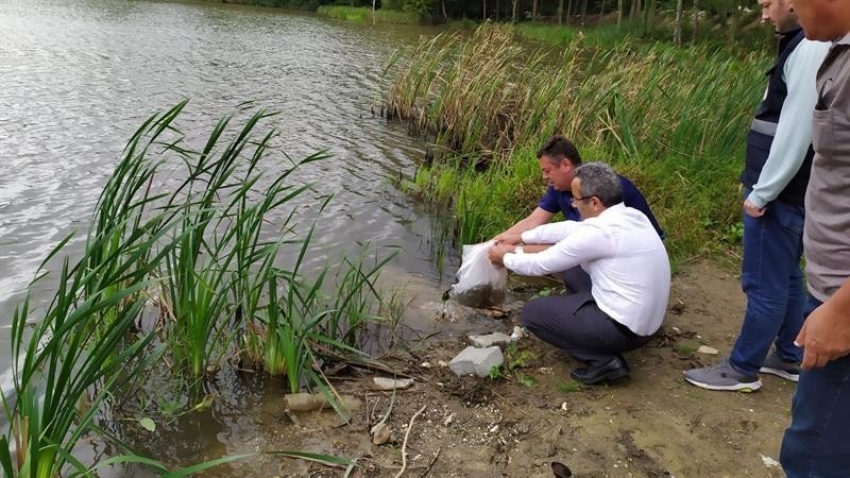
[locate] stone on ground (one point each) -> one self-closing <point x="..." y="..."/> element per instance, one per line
<point x="476" y="360"/>
<point x="489" y="340"/>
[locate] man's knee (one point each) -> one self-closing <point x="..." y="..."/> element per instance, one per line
<point x="533" y="314"/>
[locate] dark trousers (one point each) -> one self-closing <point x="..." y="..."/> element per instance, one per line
<point x="816" y="443"/>
<point x="575" y="324"/>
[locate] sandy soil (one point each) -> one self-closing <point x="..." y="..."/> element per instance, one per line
<point x="654" y="424"/>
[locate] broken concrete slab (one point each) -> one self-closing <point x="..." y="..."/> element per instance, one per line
<point x="477" y="360"/>
<point x="489" y="340"/>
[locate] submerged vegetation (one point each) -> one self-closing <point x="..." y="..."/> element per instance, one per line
<point x="193" y="262"/>
<point x="672" y="119"/>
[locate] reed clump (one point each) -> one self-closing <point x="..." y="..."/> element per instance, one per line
<point x="192" y="262"/>
<point x="673" y="119"/>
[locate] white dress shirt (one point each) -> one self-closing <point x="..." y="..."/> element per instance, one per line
<point x="623" y="255"/>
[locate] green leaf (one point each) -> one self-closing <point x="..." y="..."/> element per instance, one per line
<point x="147" y="424"/>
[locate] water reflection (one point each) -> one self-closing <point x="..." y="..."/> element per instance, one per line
<point x="79" y="77"/>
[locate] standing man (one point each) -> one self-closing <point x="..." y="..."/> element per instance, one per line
<point x="816" y="443"/>
<point x="621" y="300"/>
<point x="776" y="173"/>
<point x="559" y="159"/>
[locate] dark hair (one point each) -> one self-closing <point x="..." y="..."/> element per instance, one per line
<point x="558" y="148"/>
<point x="598" y="179"/>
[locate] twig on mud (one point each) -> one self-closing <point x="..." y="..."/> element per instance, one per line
<point x="404" y="444"/>
<point x="431" y="465"/>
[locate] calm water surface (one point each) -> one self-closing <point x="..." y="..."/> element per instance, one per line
<point x="78" y="77"/>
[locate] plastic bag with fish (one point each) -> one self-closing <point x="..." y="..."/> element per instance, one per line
<point x="480" y="284"/>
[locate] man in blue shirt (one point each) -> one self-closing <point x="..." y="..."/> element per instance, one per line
<point x="558" y="160"/>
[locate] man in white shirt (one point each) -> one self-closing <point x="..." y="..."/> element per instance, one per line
<point x="628" y="269"/>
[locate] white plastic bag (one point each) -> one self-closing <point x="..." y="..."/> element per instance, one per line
<point x="479" y="283"/>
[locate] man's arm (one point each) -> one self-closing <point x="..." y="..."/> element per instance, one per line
<point x="585" y="243"/>
<point x="793" y="135"/>
<point x="825" y="335"/>
<point x="512" y="235"/>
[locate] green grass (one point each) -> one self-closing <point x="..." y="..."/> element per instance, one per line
<point x="686" y="350"/>
<point x="365" y="15"/>
<point x="673" y="120"/>
<point x="570" y="387"/>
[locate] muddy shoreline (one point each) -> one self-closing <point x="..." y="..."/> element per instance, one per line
<point x="652" y="425"/>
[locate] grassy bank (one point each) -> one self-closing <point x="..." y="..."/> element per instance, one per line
<point x="674" y="120"/>
<point x="366" y="15"/>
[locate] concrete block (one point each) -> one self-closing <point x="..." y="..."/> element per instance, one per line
<point x="489" y="340"/>
<point x="476" y="360"/>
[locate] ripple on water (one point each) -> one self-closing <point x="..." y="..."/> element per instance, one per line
<point x="79" y="77"/>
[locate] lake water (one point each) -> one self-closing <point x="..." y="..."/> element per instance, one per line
<point x="77" y="78"/>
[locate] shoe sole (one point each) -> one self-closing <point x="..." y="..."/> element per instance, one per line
<point x="608" y="377"/>
<point x="739" y="387"/>
<point x="780" y="373"/>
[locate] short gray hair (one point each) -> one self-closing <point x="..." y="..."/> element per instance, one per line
<point x="598" y="179"/>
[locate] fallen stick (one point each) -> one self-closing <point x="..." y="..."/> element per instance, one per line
<point x="431" y="465"/>
<point x="404" y="444"/>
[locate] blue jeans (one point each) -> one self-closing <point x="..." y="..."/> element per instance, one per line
<point x="773" y="282"/>
<point x="816" y="444"/>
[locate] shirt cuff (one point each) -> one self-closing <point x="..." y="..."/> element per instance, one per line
<point x="757" y="200"/>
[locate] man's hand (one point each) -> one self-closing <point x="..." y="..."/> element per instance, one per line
<point x="752" y="210"/>
<point x="510" y="239"/>
<point x="497" y="253"/>
<point x="825" y="335"/>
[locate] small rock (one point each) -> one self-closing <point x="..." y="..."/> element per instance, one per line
<point x="449" y="419"/>
<point x="489" y="340"/>
<point x="425" y="365"/>
<point x="677" y="330"/>
<point x="383" y="383"/>
<point x="705" y="349"/>
<point x="478" y="361"/>
<point x="518" y="333"/>
<point x="381" y="434"/>
<point x="769" y="462"/>
<point x="494" y="429"/>
<point x="442" y="363"/>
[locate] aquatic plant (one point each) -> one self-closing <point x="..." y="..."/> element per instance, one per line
<point x="182" y="259"/>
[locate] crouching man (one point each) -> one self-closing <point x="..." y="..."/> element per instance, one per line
<point x="616" y="266"/>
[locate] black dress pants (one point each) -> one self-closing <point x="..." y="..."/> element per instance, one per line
<point x="575" y="324"/>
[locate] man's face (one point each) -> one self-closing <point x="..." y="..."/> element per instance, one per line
<point x="559" y="175"/>
<point x="778" y="13"/>
<point x="585" y="205"/>
<point x="824" y="20"/>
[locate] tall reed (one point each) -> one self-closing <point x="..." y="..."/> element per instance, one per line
<point x="675" y="118"/>
<point x="182" y="258"/>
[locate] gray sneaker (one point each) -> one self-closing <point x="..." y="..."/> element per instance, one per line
<point x="789" y="370"/>
<point x="721" y="376"/>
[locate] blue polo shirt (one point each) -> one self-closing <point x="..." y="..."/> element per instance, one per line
<point x="555" y="201"/>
